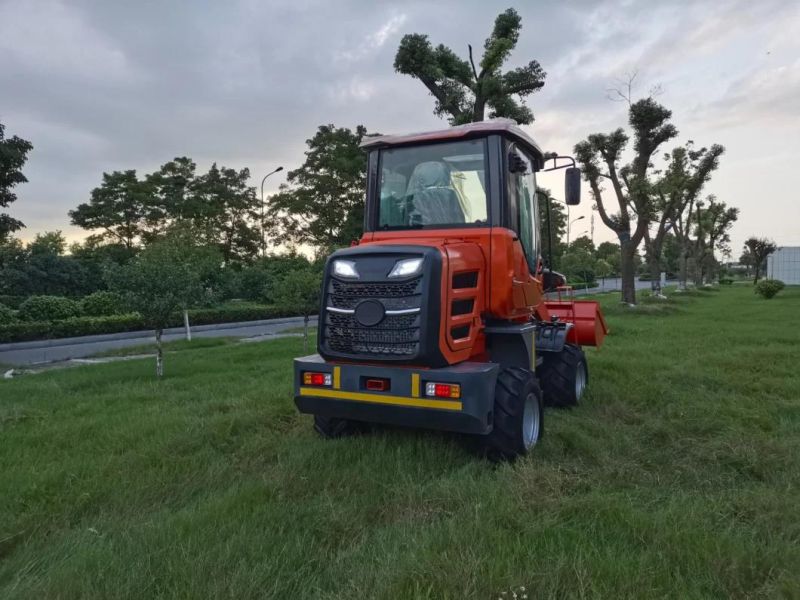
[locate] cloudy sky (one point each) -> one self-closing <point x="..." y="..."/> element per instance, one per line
<point x="100" y="86"/>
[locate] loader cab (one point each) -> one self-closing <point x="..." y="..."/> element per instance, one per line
<point x="480" y="175"/>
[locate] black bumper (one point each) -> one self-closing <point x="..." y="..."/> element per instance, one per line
<point x="405" y="403"/>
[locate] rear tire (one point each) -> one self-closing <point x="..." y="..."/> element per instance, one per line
<point x="332" y="427"/>
<point x="564" y="376"/>
<point x="518" y="415"/>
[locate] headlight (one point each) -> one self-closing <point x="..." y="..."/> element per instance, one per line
<point x="406" y="267"/>
<point x="345" y="268"/>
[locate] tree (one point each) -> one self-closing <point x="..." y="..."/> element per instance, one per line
<point x="171" y="188"/>
<point x="13" y="155"/>
<point x="462" y="92"/>
<point x="759" y="249"/>
<point x="558" y="216"/>
<point x="120" y="208"/>
<point x="168" y="276"/>
<point x="609" y="253"/>
<point x="323" y="202"/>
<point x="223" y="212"/>
<point x="675" y="193"/>
<point x="713" y="223"/>
<point x="300" y="291"/>
<point x="631" y="187"/>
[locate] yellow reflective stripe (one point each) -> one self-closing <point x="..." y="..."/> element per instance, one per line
<point x="337" y="377"/>
<point x="378" y="399"/>
<point x="415" y="385"/>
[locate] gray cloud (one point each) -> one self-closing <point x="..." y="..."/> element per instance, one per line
<point x="98" y="86"/>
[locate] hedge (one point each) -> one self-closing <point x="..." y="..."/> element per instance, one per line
<point x="48" y="308"/>
<point x="12" y="301"/>
<point x="79" y="326"/>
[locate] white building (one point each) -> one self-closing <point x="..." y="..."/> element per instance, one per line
<point x="784" y="264"/>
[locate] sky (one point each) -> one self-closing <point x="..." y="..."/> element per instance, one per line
<point x="99" y="86"/>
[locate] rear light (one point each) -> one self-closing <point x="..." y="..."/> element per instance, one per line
<point x="443" y="390"/>
<point x="377" y="385"/>
<point x="310" y="378"/>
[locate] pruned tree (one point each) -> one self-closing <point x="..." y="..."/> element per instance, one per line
<point x="168" y="276"/>
<point x="675" y="194"/>
<point x="322" y="204"/>
<point x="600" y="157"/>
<point x="13" y="155"/>
<point x="760" y="249"/>
<point x="713" y="222"/>
<point x="462" y="91"/>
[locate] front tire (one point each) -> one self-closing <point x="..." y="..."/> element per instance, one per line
<point x="518" y="415"/>
<point x="564" y="376"/>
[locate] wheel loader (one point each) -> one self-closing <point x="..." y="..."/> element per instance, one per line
<point x="439" y="317"/>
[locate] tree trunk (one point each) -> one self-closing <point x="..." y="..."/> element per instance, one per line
<point x="628" y="272"/>
<point x="186" y="326"/>
<point x="159" y="354"/>
<point x="654" y="266"/>
<point x="305" y="334"/>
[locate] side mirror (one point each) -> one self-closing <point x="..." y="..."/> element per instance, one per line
<point x="572" y="186"/>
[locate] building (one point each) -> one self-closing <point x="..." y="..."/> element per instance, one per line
<point x="784" y="264"/>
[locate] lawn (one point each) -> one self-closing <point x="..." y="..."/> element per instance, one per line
<point x="677" y="477"/>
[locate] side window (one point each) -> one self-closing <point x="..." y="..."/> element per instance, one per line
<point x="524" y="197"/>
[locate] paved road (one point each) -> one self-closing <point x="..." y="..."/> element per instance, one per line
<point x="31" y="353"/>
<point x="613" y="284"/>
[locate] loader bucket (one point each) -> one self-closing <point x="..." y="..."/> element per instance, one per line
<point x="589" y="326"/>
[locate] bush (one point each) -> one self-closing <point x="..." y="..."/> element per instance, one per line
<point x="48" y="308"/>
<point x="102" y="304"/>
<point x="725" y="281"/>
<point x="769" y="287"/>
<point x="12" y="301"/>
<point x="7" y="315"/>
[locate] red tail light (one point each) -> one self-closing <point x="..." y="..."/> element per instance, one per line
<point x="442" y="390"/>
<point x="310" y="378"/>
<point x="377" y="385"/>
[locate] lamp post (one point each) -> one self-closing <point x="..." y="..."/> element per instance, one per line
<point x="569" y="226"/>
<point x="263" y="232"/>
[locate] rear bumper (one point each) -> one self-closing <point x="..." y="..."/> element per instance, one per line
<point x="405" y="402"/>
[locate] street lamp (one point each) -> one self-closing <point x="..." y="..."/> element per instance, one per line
<point x="569" y="226"/>
<point x="263" y="232"/>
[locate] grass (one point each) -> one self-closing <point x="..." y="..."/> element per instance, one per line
<point x="198" y="343"/>
<point x="677" y="477"/>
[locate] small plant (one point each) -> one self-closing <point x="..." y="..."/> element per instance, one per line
<point x="725" y="281"/>
<point x="102" y="304"/>
<point x="48" y="308"/>
<point x="769" y="287"/>
<point x="7" y="315"/>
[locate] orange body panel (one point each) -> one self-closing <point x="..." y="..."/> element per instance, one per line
<point x="505" y="289"/>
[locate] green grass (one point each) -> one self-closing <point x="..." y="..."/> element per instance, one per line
<point x="197" y="343"/>
<point x="677" y="477"/>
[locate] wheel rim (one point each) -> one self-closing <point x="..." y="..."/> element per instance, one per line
<point x="580" y="380"/>
<point x="530" y="421"/>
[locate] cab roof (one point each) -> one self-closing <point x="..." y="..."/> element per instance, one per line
<point x="506" y="127"/>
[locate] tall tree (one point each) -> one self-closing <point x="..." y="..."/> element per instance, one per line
<point x="224" y="211"/>
<point x="712" y="227"/>
<point x="675" y="193"/>
<point x="552" y="226"/>
<point x="323" y="202"/>
<point x="600" y="157"/>
<point x="463" y="92"/>
<point x="120" y="208"/>
<point x="172" y="194"/>
<point x="13" y="154"/>
<point x="760" y="249"/>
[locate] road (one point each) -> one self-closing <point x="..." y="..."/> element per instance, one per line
<point x="47" y="351"/>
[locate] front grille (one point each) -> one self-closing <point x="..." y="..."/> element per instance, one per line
<point x="395" y="336"/>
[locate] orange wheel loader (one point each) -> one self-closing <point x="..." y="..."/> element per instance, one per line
<point x="437" y="318"/>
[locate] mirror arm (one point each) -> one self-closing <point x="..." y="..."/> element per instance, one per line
<point x="554" y="157"/>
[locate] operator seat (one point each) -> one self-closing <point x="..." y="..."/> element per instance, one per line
<point x="433" y="196"/>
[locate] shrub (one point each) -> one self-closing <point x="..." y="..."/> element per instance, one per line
<point x="12" y="301"/>
<point x="48" y="308"/>
<point x="769" y="287"/>
<point x="101" y="304"/>
<point x="7" y="315"/>
<point x="725" y="281"/>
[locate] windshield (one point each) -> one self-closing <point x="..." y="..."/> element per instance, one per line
<point x="438" y="184"/>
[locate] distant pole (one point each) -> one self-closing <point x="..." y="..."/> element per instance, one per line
<point x="263" y="229"/>
<point x="569" y="226"/>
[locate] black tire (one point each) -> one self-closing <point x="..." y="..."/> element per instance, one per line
<point x="506" y="441"/>
<point x="332" y="427"/>
<point x="559" y="373"/>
